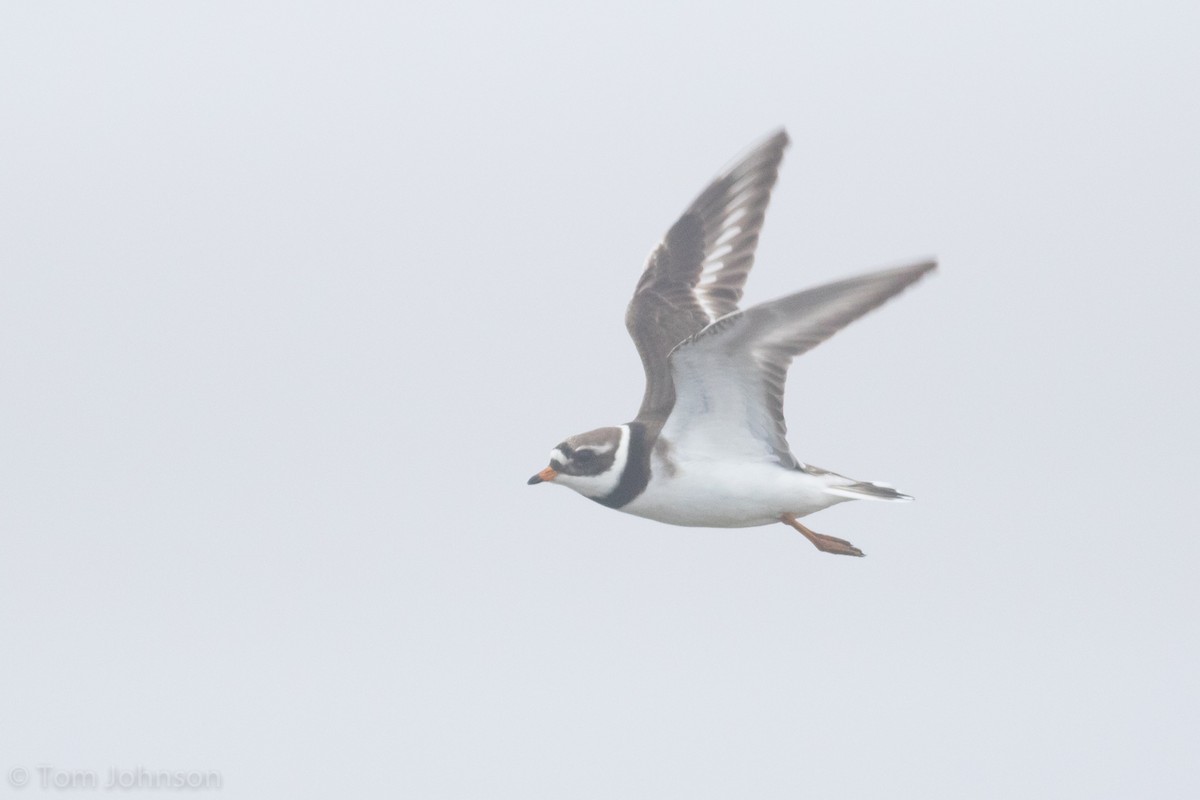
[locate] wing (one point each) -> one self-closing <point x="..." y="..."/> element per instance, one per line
<point x="729" y="377"/>
<point x="696" y="274"/>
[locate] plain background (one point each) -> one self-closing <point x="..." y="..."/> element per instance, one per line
<point x="295" y="297"/>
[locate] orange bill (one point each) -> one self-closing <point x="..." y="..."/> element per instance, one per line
<point x="548" y="474"/>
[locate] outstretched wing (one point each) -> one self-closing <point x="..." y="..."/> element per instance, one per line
<point x="696" y="274"/>
<point x="729" y="377"/>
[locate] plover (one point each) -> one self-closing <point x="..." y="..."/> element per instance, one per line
<point x="708" y="446"/>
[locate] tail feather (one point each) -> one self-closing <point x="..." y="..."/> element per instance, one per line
<point x="866" y="490"/>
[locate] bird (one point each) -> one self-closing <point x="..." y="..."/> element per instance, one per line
<point x="708" y="447"/>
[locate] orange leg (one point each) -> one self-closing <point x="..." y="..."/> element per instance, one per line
<point x="826" y="544"/>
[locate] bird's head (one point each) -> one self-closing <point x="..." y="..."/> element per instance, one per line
<point x="590" y="463"/>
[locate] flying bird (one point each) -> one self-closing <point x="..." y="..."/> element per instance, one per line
<point x="708" y="447"/>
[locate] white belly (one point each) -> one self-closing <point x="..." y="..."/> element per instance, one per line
<point x="720" y="494"/>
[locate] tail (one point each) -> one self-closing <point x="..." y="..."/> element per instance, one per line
<point x="866" y="490"/>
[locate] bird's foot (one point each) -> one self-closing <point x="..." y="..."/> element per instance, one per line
<point x="824" y="543"/>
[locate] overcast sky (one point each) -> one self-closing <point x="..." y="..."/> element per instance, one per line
<point x="295" y="297"/>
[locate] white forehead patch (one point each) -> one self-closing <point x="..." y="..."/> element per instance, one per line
<point x="556" y="456"/>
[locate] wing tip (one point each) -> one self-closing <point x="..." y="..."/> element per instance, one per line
<point x="765" y="155"/>
<point x="921" y="266"/>
<point x="778" y="137"/>
<point x="911" y="272"/>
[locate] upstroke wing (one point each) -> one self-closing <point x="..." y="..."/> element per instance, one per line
<point x="695" y="276"/>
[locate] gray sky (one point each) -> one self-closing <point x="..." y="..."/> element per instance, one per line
<point x="296" y="297"/>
